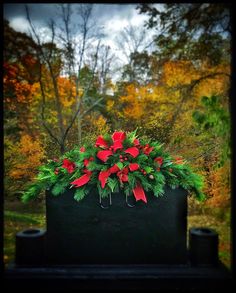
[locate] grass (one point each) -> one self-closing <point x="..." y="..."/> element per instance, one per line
<point x="221" y="227"/>
<point x="17" y="218"/>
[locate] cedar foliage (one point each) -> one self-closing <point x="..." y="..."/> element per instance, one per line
<point x="152" y="174"/>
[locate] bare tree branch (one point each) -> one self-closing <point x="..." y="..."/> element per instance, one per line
<point x="84" y="95"/>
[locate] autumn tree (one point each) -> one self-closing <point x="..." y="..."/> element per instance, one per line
<point x="190" y="30"/>
<point x="53" y="58"/>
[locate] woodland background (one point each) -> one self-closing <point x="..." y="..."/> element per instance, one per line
<point x="62" y="93"/>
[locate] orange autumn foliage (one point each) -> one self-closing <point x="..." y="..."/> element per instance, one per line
<point x="17" y="91"/>
<point x="219" y="187"/>
<point x="27" y="155"/>
<point x="179" y="73"/>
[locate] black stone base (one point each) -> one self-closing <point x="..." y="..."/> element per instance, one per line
<point x="84" y="233"/>
<point x="118" y="277"/>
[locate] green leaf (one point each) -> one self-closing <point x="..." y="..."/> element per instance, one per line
<point x="112" y="183"/>
<point x="103" y="192"/>
<point x="167" y="164"/>
<point x="158" y="190"/>
<point x="80" y="193"/>
<point x="58" y="188"/>
<point x="132" y="179"/>
<point x="120" y="165"/>
<point x="33" y="192"/>
<point x="148" y="169"/>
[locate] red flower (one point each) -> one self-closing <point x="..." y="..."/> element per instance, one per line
<point x="134" y="152"/>
<point x="133" y="166"/>
<point x="136" y="142"/>
<point x="70" y="166"/>
<point x="123" y="175"/>
<point x="147" y="149"/>
<point x="100" y="142"/>
<point x="159" y="160"/>
<point x="86" y="161"/>
<point x="56" y="171"/>
<point x="82" y="149"/>
<point x="118" y="136"/>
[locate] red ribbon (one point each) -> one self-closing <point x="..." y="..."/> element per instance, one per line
<point x="114" y="169"/>
<point x="139" y="193"/>
<point x="103" y="175"/>
<point x="84" y="179"/>
<point x="117" y="145"/>
<point x="123" y="175"/>
<point x="120" y="136"/>
<point x="101" y="142"/>
<point x="132" y="151"/>
<point x="103" y="155"/>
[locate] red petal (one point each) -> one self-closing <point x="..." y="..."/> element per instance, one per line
<point x="136" y="142"/>
<point x="139" y="193"/>
<point x="70" y="166"/>
<point x="65" y="164"/>
<point x="87" y="172"/>
<point x="125" y="170"/>
<point x="133" y="166"/>
<point x="132" y="151"/>
<point x="101" y="142"/>
<point x="159" y="160"/>
<point x="147" y="150"/>
<point x="82" y="149"/>
<point x="114" y="169"/>
<point x="86" y="162"/>
<point x="117" y="145"/>
<point x="124" y="178"/>
<point x="103" y="175"/>
<point x="82" y="180"/>
<point x="103" y="155"/>
<point x="118" y="136"/>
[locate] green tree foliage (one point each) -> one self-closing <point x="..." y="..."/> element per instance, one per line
<point x="191" y="30"/>
<point x="214" y="120"/>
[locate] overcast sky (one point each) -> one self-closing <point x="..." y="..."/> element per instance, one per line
<point x="41" y="12"/>
<point x="112" y="17"/>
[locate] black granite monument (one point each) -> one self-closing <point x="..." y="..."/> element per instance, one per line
<point x="137" y="233"/>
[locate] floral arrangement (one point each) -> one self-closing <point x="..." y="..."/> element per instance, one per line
<point x="117" y="162"/>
